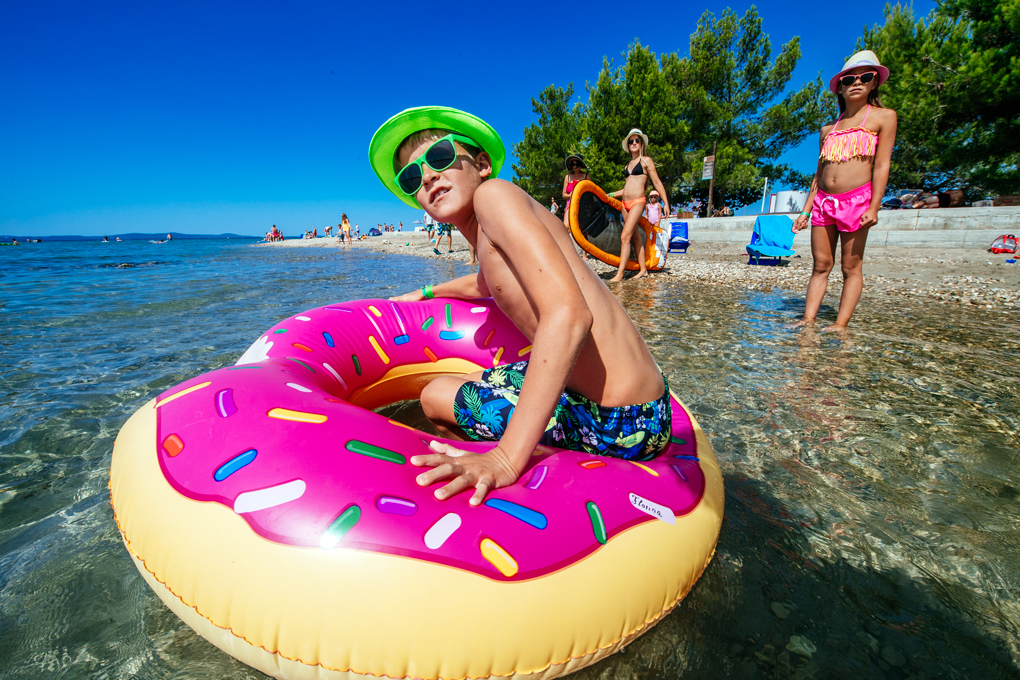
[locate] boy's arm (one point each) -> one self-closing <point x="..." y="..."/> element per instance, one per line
<point x="469" y="287"/>
<point x="564" y="322"/>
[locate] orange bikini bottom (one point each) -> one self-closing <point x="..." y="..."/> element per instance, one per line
<point x="629" y="205"/>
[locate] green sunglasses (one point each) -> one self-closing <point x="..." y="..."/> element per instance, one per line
<point x="439" y="156"/>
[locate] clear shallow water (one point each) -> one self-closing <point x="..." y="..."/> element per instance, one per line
<point x="872" y="502"/>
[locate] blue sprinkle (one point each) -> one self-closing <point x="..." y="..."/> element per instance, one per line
<point x="687" y="457"/>
<point x="526" y="515"/>
<point x="401" y="339"/>
<point x="234" y="464"/>
<point x="329" y="338"/>
<point x="450" y="335"/>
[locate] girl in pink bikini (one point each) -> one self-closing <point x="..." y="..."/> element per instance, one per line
<point x="853" y="169"/>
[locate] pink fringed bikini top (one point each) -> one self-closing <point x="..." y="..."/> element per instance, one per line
<point x="856" y="142"/>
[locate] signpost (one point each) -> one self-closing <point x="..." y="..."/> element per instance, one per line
<point x="708" y="172"/>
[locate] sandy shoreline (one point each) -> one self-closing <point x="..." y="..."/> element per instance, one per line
<point x="970" y="277"/>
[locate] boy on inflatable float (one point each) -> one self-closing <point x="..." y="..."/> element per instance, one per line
<point x="591" y="383"/>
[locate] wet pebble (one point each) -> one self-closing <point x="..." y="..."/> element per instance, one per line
<point x="801" y="645"/>
<point x="736" y="649"/>
<point x="893" y="657"/>
<point x="870" y="642"/>
<point x="781" y="610"/>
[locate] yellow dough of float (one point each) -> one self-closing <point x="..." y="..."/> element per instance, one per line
<point x="306" y="613"/>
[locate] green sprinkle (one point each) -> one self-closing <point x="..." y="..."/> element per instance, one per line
<point x="357" y="364"/>
<point x="449" y="316"/>
<point x="339" y="528"/>
<point x="428" y="322"/>
<point x="298" y="361"/>
<point x="241" y="368"/>
<point x="373" y="451"/>
<point x="280" y="330"/>
<point x="598" y="527"/>
<point x="677" y="440"/>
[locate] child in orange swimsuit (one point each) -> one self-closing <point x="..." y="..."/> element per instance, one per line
<point x="846" y="193"/>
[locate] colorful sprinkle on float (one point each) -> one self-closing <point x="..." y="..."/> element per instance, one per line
<point x="288" y="453"/>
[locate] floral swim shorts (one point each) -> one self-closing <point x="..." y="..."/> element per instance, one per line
<point x="444" y="229"/>
<point x="638" y="432"/>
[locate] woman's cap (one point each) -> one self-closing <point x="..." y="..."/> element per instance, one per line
<point x="862" y="58"/>
<point x="654" y="193"/>
<point x="635" y="131"/>
<point x="574" y="157"/>
<point x="387" y="139"/>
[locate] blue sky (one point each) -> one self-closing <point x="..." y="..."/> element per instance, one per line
<point x="220" y="117"/>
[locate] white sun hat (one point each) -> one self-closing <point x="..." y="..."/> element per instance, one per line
<point x="862" y="58"/>
<point x="634" y="131"/>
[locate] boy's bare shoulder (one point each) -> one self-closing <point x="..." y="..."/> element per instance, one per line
<point x="495" y="197"/>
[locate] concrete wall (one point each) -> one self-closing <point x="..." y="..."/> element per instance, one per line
<point x="940" y="228"/>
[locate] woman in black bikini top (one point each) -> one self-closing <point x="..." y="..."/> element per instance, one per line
<point x="634" y="201"/>
<point x="638" y="170"/>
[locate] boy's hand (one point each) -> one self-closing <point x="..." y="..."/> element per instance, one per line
<point x="484" y="472"/>
<point x="413" y="296"/>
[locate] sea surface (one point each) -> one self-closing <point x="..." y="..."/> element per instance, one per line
<point x="872" y="480"/>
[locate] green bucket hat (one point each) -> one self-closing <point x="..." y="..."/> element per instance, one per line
<point x="387" y="139"/>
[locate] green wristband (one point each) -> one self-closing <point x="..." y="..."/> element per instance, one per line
<point x="426" y="291"/>
<point x="806" y="214"/>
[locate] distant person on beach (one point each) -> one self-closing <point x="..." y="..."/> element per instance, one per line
<point x="169" y="237"/>
<point x="444" y="229"/>
<point x="577" y="171"/>
<point x="846" y="193"/>
<point x="554" y="207"/>
<point x="635" y="174"/>
<point x="345" y="229"/>
<point x="942" y="199"/>
<point x="106" y="239"/>
<point x="594" y="385"/>
<point x="430" y="226"/>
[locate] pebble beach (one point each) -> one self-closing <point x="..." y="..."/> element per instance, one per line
<point x="971" y="277"/>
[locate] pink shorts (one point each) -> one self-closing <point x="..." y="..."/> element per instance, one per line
<point x="844" y="210"/>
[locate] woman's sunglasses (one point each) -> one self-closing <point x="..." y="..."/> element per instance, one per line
<point x="439" y="156"/>
<point x="865" y="78"/>
<point x="633" y="140"/>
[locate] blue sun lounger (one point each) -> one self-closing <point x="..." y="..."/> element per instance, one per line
<point x="771" y="240"/>
<point x="678" y="238"/>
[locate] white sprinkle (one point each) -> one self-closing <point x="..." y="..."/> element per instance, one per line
<point x="303" y="318"/>
<point x="479" y="310"/>
<point x="437" y="534"/>
<point x="335" y="374"/>
<point x="250" y="501"/>
<point x="299" y="388"/>
<point x="654" y="509"/>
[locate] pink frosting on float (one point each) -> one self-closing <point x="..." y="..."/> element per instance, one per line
<point x="275" y="439"/>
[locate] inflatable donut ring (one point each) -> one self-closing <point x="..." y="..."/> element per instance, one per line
<point x="279" y="516"/>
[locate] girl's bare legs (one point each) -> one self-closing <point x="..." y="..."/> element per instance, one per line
<point x="630" y="220"/>
<point x="823" y="252"/>
<point x="851" y="260"/>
